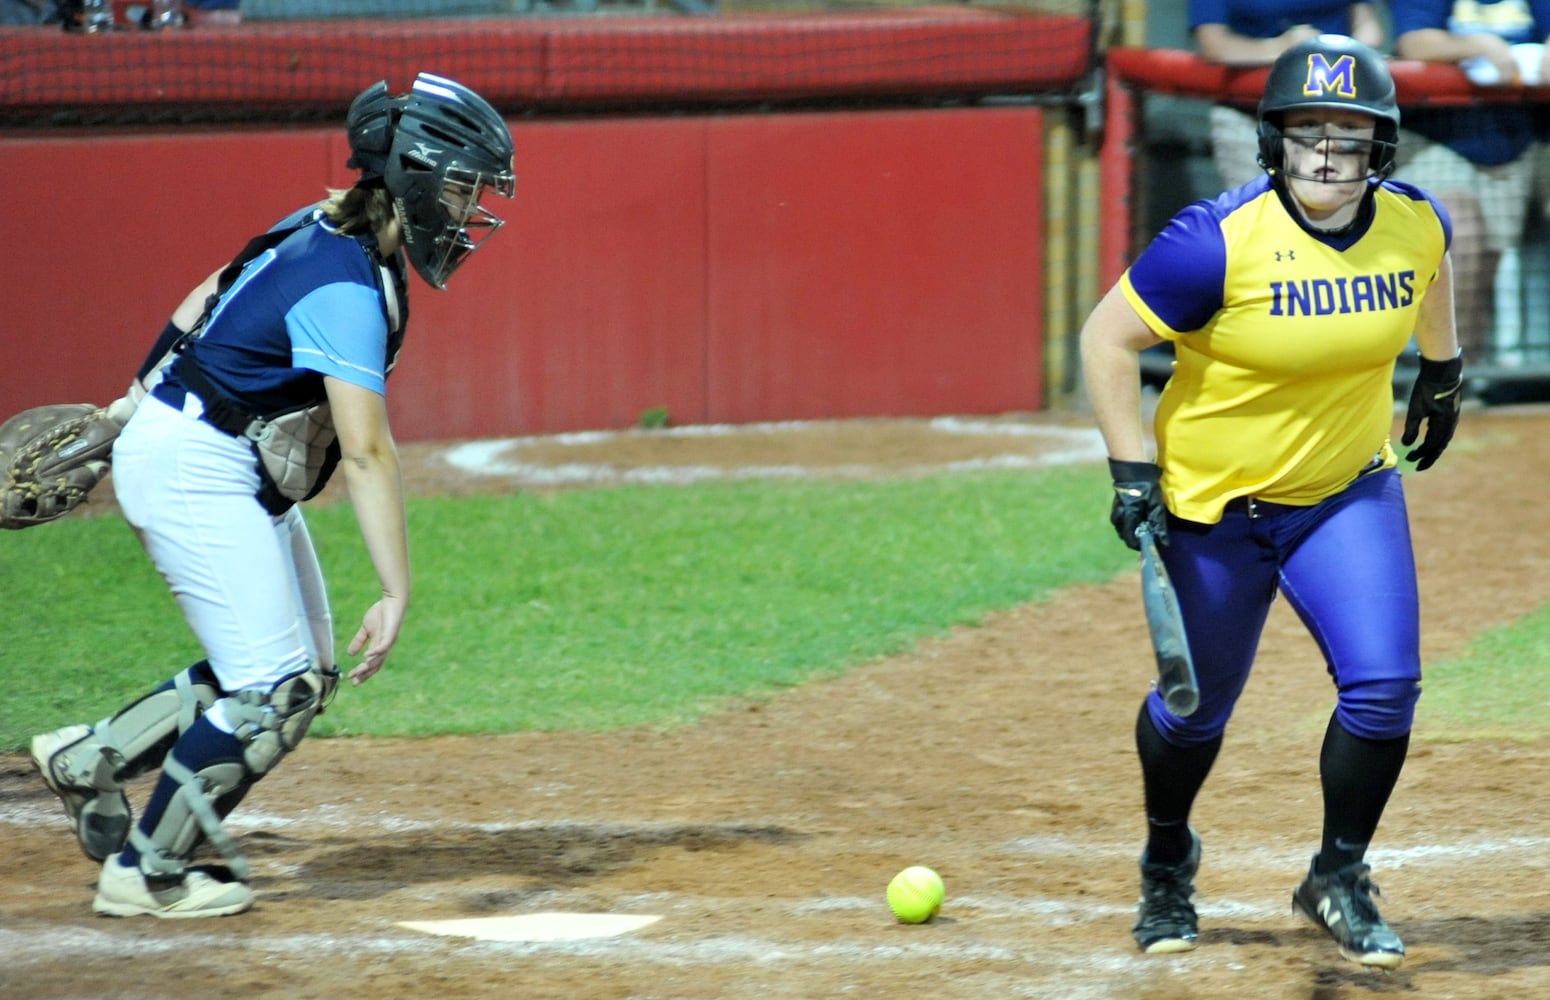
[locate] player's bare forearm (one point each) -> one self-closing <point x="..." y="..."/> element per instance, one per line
<point x="1436" y="333"/>
<point x="1440" y="45"/>
<point x="1366" y="25"/>
<point x="369" y="459"/>
<point x="376" y="492"/>
<point x="1220" y="44"/>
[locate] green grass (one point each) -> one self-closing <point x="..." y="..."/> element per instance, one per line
<point x="1498" y="689"/>
<point x="589" y="609"/>
<point x="645" y="606"/>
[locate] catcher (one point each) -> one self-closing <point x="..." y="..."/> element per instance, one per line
<point x="282" y="371"/>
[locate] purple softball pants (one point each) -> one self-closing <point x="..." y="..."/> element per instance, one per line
<point x="1347" y="567"/>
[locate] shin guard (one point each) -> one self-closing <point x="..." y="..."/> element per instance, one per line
<point x="209" y="771"/>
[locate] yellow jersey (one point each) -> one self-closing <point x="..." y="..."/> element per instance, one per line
<point x="1285" y="341"/>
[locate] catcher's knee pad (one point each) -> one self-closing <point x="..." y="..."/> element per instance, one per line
<point x="267" y="725"/>
<point x="271" y="723"/>
<point x="134" y="740"/>
<point x="142" y="734"/>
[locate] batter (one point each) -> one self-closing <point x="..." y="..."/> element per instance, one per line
<point x="1287" y="301"/>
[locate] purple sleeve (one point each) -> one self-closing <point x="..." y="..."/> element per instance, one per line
<point x="1181" y="273"/>
<point x="1270" y="18"/>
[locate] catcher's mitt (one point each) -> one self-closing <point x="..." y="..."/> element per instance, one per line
<point x="51" y="457"/>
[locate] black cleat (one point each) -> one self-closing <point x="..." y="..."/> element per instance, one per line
<point x="1166" y="922"/>
<point x="1341" y="903"/>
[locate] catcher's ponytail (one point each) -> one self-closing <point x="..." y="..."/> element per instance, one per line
<point x="364" y="208"/>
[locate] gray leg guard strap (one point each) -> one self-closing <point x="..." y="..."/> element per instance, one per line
<point x="190" y="814"/>
<point x="269" y="725"/>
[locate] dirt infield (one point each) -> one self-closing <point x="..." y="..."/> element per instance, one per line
<point x="764" y="837"/>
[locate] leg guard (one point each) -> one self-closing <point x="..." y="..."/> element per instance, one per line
<point x="209" y="771"/>
<point x="88" y="766"/>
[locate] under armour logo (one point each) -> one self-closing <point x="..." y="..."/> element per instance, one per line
<point x="1286" y="255"/>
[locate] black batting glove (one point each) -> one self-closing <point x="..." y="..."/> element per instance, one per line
<point x="1435" y="398"/>
<point x="1138" y="500"/>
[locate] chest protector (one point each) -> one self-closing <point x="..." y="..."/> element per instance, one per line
<point x="297" y="449"/>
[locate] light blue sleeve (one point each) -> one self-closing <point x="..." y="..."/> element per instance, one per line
<point x="339" y="329"/>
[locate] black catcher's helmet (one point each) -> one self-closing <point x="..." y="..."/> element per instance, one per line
<point x="449" y="146"/>
<point x="370" y="123"/>
<point x="1329" y="71"/>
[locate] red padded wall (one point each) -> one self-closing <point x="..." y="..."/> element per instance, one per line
<point x="587" y="308"/>
<point x="869" y="264"/>
<point x="729" y="268"/>
<point x="105" y="235"/>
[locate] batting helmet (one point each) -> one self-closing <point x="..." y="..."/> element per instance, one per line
<point x="449" y="146"/>
<point x="1329" y="71"/>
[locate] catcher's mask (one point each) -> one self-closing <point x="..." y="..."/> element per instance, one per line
<point x="1331" y="72"/>
<point x="449" y="148"/>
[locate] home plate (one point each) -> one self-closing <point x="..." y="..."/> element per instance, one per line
<point x="536" y="926"/>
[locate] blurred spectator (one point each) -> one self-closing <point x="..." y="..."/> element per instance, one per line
<point x="28" y="12"/>
<point x="120" y="14"/>
<point x="212" y="13"/>
<point x="1253" y="33"/>
<point x="1485" y="161"/>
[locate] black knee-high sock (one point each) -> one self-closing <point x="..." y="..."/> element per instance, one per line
<point x="1171" y="776"/>
<point x="1357" y="775"/>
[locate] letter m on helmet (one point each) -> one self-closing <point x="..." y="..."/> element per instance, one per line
<point x="1324" y="77"/>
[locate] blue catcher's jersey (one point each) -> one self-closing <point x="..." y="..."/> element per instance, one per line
<point x="307" y="307"/>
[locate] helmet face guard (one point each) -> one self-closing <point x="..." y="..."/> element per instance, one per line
<point x="442" y="229"/>
<point x="1378" y="152"/>
<point x="449" y="150"/>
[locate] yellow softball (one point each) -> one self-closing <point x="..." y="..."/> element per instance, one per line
<point x="915" y="895"/>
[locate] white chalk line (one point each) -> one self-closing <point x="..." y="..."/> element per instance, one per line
<point x="45" y="942"/>
<point x="43" y="813"/>
<point x="501" y="456"/>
